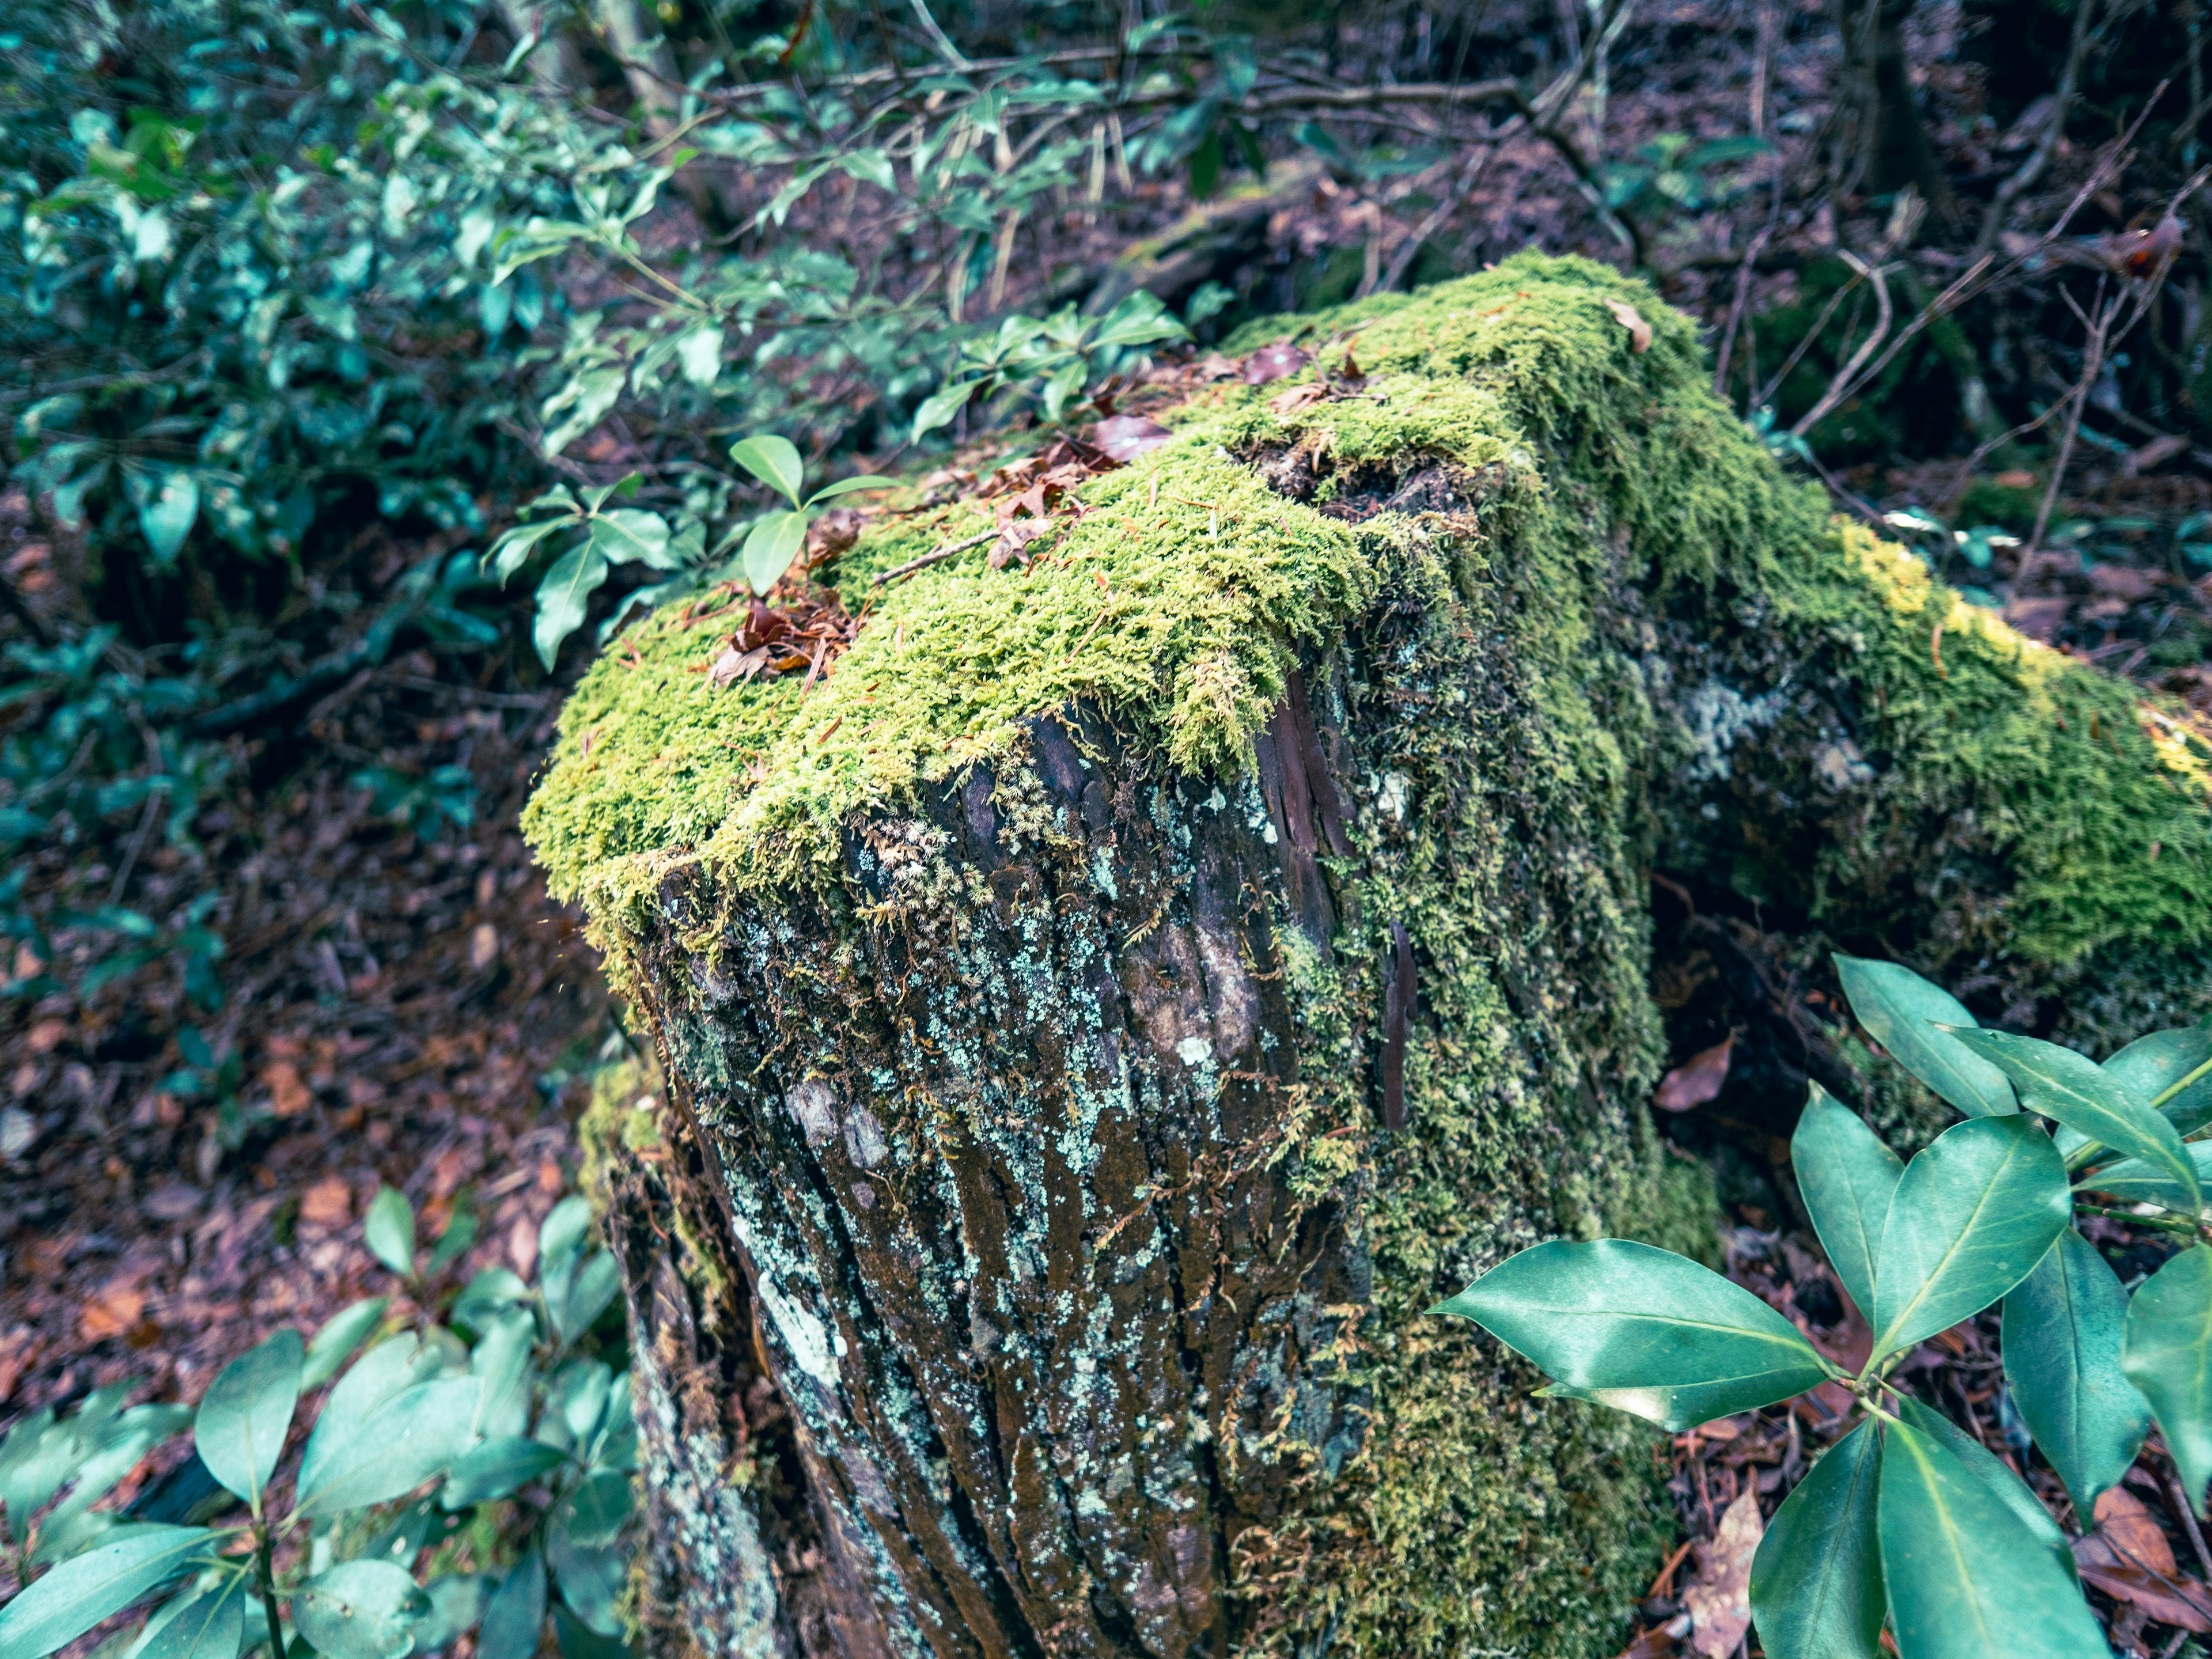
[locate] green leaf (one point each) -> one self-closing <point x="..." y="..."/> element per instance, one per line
<point x="848" y="486"/>
<point x="514" y="1617"/>
<point x="1902" y="1011"/>
<point x="2062" y="1327"/>
<point x="2008" y="1488"/>
<point x="1847" y="1175"/>
<point x="167" y="498"/>
<point x="699" y="352"/>
<point x="598" y="1281"/>
<point x="940" y="407"/>
<point x="208" y="1624"/>
<point x="774" y="460"/>
<point x="86" y="1588"/>
<point x="1139" y="319"/>
<point x="461" y="1233"/>
<point x="1640" y="1329"/>
<point x="630" y="535"/>
<point x="2151" y="1065"/>
<point x="2134" y="1182"/>
<point x="498" y="1467"/>
<point x="390" y="1230"/>
<point x="2166" y="1352"/>
<point x="1965" y="1575"/>
<point x="1816" y="1582"/>
<point x="360" y="1610"/>
<point x="591" y="1579"/>
<point x="2078" y="1092"/>
<point x="502" y="1359"/>
<point x="512" y="550"/>
<point x="416" y="1434"/>
<point x="769" y="550"/>
<point x="1974" y="1213"/>
<point x="242" y="1421"/>
<point x="346" y="1330"/>
<point x="457" y="1602"/>
<point x="562" y="595"/>
<point x="595" y="1510"/>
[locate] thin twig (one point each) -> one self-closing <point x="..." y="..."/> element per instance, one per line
<point x="932" y="557"/>
<point x="1844" y="376"/>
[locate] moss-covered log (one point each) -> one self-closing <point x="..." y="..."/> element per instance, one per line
<point x="1103" y="1014"/>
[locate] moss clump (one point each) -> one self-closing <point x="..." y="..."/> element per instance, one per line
<point x="1517" y="672"/>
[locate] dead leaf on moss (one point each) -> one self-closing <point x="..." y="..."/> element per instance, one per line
<point x="1274" y="363"/>
<point x="1640" y="332"/>
<point x="1124" y="437"/>
<point x="1298" y="397"/>
<point x="1697" y="1080"/>
<point x="1719" y="1598"/>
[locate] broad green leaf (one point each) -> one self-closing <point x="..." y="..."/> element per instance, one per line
<point x="460" y="1233"/>
<point x="774" y="460"/>
<point x="457" y="1601"/>
<point x="345" y="1330"/>
<point x="591" y="1579"/>
<point x="595" y="1510"/>
<point x="630" y="535"/>
<point x="498" y="1467"/>
<point x="395" y="1364"/>
<point x="242" y="1421"/>
<point x="487" y="1295"/>
<point x="86" y="1588"/>
<point x="578" y="1640"/>
<point x="1971" y="1217"/>
<point x="416" y="1434"/>
<point x="167" y="498"/>
<point x="579" y="1397"/>
<point x="1902" y="1011"/>
<point x="563" y="596"/>
<point x="514" y="1615"/>
<point x="360" y="1610"/>
<point x="512" y="550"/>
<point x="699" y="352"/>
<point x="1979" y="1460"/>
<point x="389" y="1231"/>
<point x="848" y="486"/>
<point x="1965" y="1579"/>
<point x="2062" y="1326"/>
<point x="502" y="1359"/>
<point x="1816" y="1582"/>
<point x="940" y="407"/>
<point x="208" y="1624"/>
<point x="598" y="1281"/>
<point x="769" y="550"/>
<point x="2167" y="1353"/>
<point x="1660" y="1336"/>
<point x="1847" y="1175"/>
<point x="2151" y="1065"/>
<point x="100" y="1454"/>
<point x="34" y="1459"/>
<point x="2078" y="1092"/>
<point x="2134" y="1182"/>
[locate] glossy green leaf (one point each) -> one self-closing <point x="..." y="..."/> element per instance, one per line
<point x="393" y="1364"/>
<point x="563" y="596"/>
<point x="457" y="1602"/>
<point x="208" y="1624"/>
<point x="630" y="535"/>
<point x="1979" y="1460"/>
<point x="699" y="352"/>
<point x="1641" y="1329"/>
<point x="66" y="1602"/>
<point x="498" y="1468"/>
<point x="851" y="486"/>
<point x="2166" y="1352"/>
<point x="2063" y="1327"/>
<point x="513" y="548"/>
<point x="594" y="1511"/>
<point x="514" y="1613"/>
<point x="1846" y="1174"/>
<point x="389" y="1231"/>
<point x="2131" y="1180"/>
<point x="243" y="1420"/>
<point x="1902" y="1011"/>
<point x="591" y="1579"/>
<point x="939" y="408"/>
<point x="774" y="460"/>
<point x="1965" y="1579"/>
<point x="769" y="549"/>
<point x="2151" y="1065"/>
<point x="344" y="1331"/>
<point x="417" y="1433"/>
<point x="1816" y="1581"/>
<point x="167" y="498"/>
<point x="2078" y="1092"/>
<point x="598" y="1281"/>
<point x="360" y="1610"/>
<point x="1971" y="1217"/>
<point x="461" y="1233"/>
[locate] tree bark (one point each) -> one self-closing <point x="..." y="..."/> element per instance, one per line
<point x="1071" y="1117"/>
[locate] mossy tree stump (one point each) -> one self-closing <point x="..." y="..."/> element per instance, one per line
<point x="1099" y="1019"/>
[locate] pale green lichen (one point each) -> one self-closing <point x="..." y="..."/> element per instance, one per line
<point x="1605" y="485"/>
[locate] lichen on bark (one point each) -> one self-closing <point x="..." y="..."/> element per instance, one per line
<point x="1035" y="988"/>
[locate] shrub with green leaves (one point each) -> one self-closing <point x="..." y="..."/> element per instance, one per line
<point x="494" y="1425"/>
<point x="1908" y="1519"/>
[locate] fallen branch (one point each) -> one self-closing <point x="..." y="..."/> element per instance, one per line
<point x="933" y="557"/>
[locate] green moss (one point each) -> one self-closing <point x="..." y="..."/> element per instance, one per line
<point x="1511" y="730"/>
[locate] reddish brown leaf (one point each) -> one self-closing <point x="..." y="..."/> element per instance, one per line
<point x="2126" y="1523"/>
<point x="1124" y="437"/>
<point x="1719" y="1597"/>
<point x="1653" y="1643"/>
<point x="1297" y="398"/>
<point x="1273" y="363"/>
<point x="2169" y="1599"/>
<point x="288" y="1096"/>
<point x="328" y="1203"/>
<point x="1697" y="1080"/>
<point x="1640" y="332"/>
<point x="113" y="1312"/>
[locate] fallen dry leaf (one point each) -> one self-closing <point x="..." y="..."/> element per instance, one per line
<point x="111" y="1313"/>
<point x="483" y="946"/>
<point x="289" y="1095"/>
<point x="327" y="1203"/>
<point x="2168" y="1598"/>
<point x="2038" y="618"/>
<point x="1273" y="363"/>
<point x="1697" y="1080"/>
<point x="2126" y="1522"/>
<point x="1719" y="1597"/>
<point x="1657" y="1642"/>
<point x="47" y="1035"/>
<point x="1285" y="403"/>
<point x="1640" y="332"/>
<point x="1124" y="437"/>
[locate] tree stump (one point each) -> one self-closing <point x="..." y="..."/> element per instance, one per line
<point x="1100" y="1018"/>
